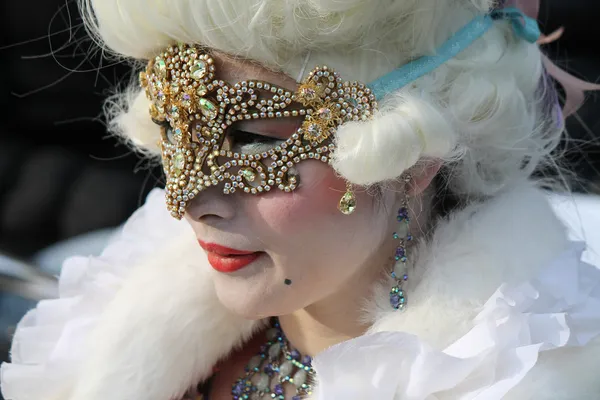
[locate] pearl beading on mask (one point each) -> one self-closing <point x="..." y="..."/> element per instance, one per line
<point x="195" y="109"/>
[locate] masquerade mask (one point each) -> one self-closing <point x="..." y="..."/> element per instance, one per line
<point x="196" y="109"/>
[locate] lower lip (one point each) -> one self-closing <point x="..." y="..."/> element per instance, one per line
<point x="231" y="263"/>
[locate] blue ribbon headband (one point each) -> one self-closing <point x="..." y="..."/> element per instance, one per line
<point x="524" y="27"/>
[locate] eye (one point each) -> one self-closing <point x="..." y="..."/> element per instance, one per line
<point x="167" y="133"/>
<point x="240" y="138"/>
<point x="259" y="136"/>
<point x="246" y="142"/>
<point x="249" y="143"/>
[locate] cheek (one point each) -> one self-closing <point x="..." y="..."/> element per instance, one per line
<point x="314" y="201"/>
<point x="309" y="241"/>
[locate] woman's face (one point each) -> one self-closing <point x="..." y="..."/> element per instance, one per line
<point x="303" y="248"/>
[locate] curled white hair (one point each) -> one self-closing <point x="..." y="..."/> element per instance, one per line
<point x="482" y="112"/>
<point x="128" y="119"/>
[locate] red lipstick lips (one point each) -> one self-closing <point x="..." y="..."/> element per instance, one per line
<point x="224" y="259"/>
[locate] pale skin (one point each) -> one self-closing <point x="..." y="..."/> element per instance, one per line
<point x="332" y="260"/>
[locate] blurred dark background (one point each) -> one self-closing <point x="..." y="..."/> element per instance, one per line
<point x="62" y="176"/>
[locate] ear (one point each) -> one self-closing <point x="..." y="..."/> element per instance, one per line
<point x="422" y="174"/>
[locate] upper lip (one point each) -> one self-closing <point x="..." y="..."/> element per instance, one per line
<point x="222" y="250"/>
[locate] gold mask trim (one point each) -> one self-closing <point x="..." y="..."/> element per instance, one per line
<point x="186" y="94"/>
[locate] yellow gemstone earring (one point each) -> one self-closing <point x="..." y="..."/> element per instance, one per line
<point x="347" y="203"/>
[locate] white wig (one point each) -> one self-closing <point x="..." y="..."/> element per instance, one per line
<point x="482" y="112"/>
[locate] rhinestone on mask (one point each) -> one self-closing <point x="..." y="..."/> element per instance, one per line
<point x="196" y="109"/>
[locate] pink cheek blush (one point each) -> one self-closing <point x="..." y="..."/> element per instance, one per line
<point x="316" y="198"/>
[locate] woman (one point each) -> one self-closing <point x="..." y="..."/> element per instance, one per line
<point x="349" y="181"/>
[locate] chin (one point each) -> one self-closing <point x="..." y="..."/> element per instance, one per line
<point x="251" y="299"/>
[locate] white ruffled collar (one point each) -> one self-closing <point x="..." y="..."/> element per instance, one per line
<point x="155" y="330"/>
<point x="558" y="308"/>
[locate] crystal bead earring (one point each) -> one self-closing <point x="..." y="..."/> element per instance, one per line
<point x="347" y="203"/>
<point x="399" y="271"/>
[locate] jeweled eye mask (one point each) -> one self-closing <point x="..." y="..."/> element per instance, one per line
<point x="186" y="94"/>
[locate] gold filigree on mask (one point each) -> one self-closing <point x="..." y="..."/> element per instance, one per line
<point x="195" y="109"/>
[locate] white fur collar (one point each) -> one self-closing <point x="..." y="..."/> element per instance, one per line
<point x="505" y="240"/>
<point x="165" y="329"/>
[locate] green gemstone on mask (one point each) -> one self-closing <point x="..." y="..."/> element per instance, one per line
<point x="208" y="108"/>
<point x="178" y="162"/>
<point x="160" y="67"/>
<point x="198" y="70"/>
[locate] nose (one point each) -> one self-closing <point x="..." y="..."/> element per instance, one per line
<point x="211" y="206"/>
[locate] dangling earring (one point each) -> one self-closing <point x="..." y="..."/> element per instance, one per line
<point x="347" y="203"/>
<point x="399" y="271"/>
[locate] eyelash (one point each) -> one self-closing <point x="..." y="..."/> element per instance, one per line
<point x="241" y="138"/>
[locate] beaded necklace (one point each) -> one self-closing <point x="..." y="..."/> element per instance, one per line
<point x="273" y="368"/>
